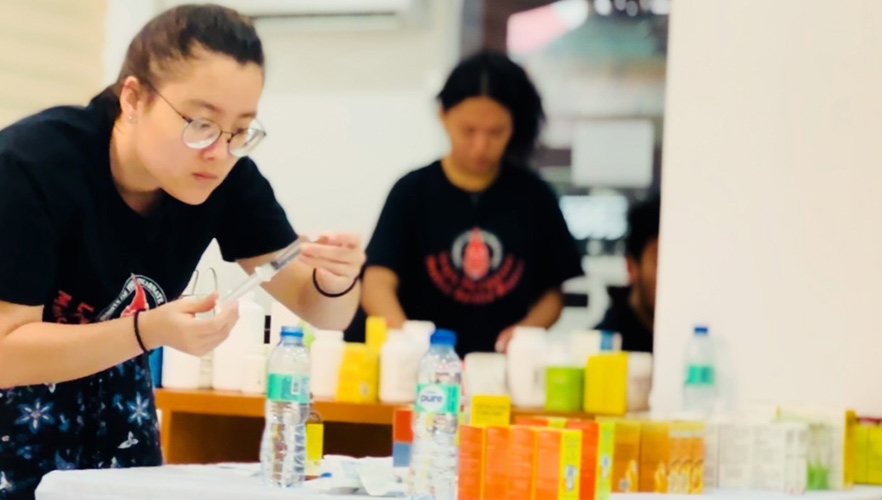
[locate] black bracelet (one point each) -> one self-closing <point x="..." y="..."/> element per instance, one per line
<point x="138" y="333"/>
<point x="330" y="295"/>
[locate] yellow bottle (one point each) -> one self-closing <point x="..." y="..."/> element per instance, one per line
<point x="359" y="375"/>
<point x="606" y="384"/>
<point x="315" y="440"/>
<point x="375" y="333"/>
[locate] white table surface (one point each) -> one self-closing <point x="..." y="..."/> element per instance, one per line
<point x="239" y="481"/>
<point x="170" y="482"/>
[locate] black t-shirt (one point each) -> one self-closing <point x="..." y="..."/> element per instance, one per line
<point x="70" y="243"/>
<point x="473" y="262"/>
<point x="622" y="319"/>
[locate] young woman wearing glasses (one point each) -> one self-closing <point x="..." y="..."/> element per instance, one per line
<point x="105" y="211"/>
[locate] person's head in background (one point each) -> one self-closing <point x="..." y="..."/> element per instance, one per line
<point x="188" y="93"/>
<point x="491" y="112"/>
<point x="641" y="255"/>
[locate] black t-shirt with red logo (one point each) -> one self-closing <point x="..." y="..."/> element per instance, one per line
<point x="473" y="262"/>
<point x="69" y="243"/>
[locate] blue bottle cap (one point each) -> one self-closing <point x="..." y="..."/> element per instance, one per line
<point x="292" y="331"/>
<point x="701" y="329"/>
<point x="443" y="337"/>
<point x="606" y="340"/>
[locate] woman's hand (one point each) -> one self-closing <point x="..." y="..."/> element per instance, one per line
<point x="504" y="338"/>
<point x="175" y="324"/>
<point x="337" y="259"/>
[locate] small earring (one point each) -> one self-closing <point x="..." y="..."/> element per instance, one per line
<point x="131" y="118"/>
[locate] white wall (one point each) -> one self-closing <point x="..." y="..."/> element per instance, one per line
<point x="772" y="195"/>
<point x="123" y="20"/>
<point x="51" y="55"/>
<point x="350" y="112"/>
<point x="347" y="112"/>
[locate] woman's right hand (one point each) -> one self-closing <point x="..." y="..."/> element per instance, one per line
<point x="175" y="325"/>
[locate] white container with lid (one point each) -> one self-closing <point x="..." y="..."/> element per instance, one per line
<point x="246" y="337"/>
<point x="526" y="367"/>
<point x="399" y="362"/>
<point x="419" y="332"/>
<point x="325" y="357"/>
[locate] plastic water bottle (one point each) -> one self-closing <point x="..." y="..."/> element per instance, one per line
<point x="699" y="386"/>
<point x="283" y="448"/>
<point x="433" y="465"/>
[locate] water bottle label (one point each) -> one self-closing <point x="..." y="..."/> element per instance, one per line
<point x="287" y="388"/>
<point x="700" y="375"/>
<point x="437" y="398"/>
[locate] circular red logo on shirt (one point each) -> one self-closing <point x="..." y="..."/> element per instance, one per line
<point x="476" y="253"/>
<point x="139" y="293"/>
<point x="475" y="270"/>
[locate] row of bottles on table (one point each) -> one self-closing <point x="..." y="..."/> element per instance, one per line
<point x="239" y="363"/>
<point x="551" y="373"/>
<point x="535" y="356"/>
<point x="584" y="370"/>
<point x="437" y="397"/>
<point x="345" y="371"/>
<point x="384" y="367"/>
<point x="579" y="371"/>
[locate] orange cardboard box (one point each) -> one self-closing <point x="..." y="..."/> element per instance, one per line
<point x="402" y="425"/>
<point x="626" y="457"/>
<point x="557" y="466"/>
<point x="588" y="468"/>
<point x="553" y="422"/>
<point x="521" y="463"/>
<point x="655" y="456"/>
<point x="496" y="462"/>
<point x="471" y="462"/>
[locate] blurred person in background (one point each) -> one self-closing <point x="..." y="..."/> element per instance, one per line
<point x="105" y="212"/>
<point x="475" y="242"/>
<point x="632" y="308"/>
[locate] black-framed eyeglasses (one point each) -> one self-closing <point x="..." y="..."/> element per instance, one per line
<point x="200" y="133"/>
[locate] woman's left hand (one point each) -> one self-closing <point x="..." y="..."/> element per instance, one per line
<point x="504" y="338"/>
<point x="337" y="259"/>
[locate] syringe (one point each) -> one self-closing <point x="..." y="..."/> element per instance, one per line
<point x="265" y="272"/>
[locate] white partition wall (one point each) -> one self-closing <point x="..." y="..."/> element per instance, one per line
<point x="772" y="199"/>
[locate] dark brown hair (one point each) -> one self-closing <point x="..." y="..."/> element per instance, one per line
<point x="494" y="75"/>
<point x="173" y="36"/>
<point x="644" y="219"/>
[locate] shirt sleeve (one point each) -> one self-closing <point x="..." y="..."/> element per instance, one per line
<point x="387" y="247"/>
<point x="253" y="222"/>
<point x="559" y="258"/>
<point x="27" y="238"/>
